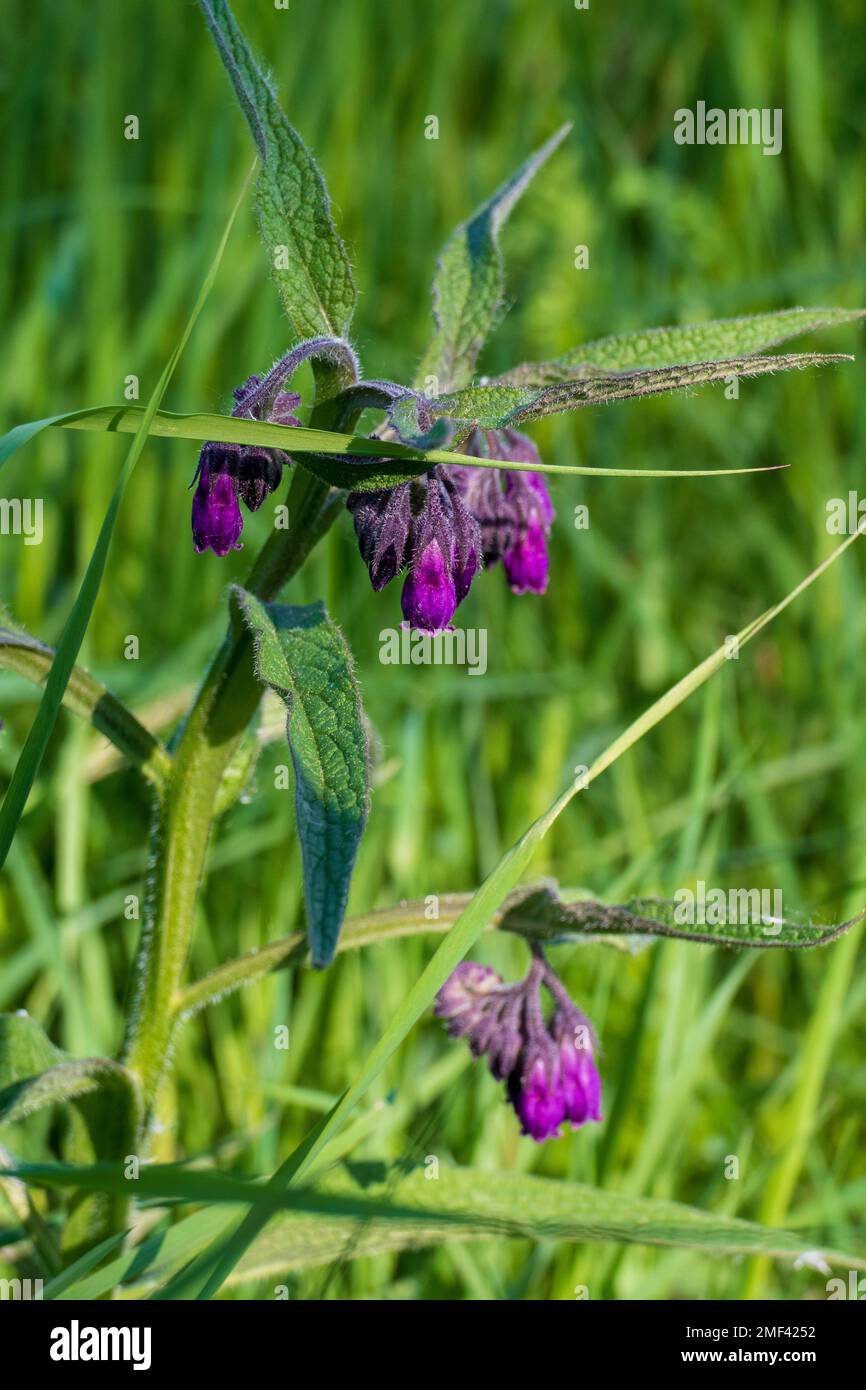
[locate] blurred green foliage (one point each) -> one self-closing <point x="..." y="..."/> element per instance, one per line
<point x="757" y="783"/>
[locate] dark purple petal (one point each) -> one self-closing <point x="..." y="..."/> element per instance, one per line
<point x="383" y="525"/>
<point x="457" y="527"/>
<point x="260" y="472"/>
<point x="536" y="1094"/>
<point x="216" y="516"/>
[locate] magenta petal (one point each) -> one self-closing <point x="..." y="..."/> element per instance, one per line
<point x="538" y="1099"/>
<point x="429" y="596"/>
<point x="581" y="1083"/>
<point x="526" y="563"/>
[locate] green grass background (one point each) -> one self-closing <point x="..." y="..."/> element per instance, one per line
<point x="758" y="782"/>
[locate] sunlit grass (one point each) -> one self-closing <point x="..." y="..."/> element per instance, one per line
<point x="763" y="775"/>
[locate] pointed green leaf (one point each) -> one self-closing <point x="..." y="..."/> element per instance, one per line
<point x="103" y="1122"/>
<point x="499" y="405"/>
<point x="68" y="1080"/>
<point x="470" y="280"/>
<point x="364" y="1208"/>
<point x="493" y="1205"/>
<point x="302" y="655"/>
<point x="34" y="1073"/>
<point x="681" y="344"/>
<point x="308" y="260"/>
<point x="541" y="914"/>
<point x="25" y="1049"/>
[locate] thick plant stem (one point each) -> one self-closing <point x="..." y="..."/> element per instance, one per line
<point x="182" y="823"/>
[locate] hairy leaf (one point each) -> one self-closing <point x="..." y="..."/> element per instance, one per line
<point x="498" y="405"/>
<point x="104" y="1117"/>
<point x="502" y="1204"/>
<point x="470" y="280"/>
<point x="302" y="655"/>
<point x="308" y="260"/>
<point x="25" y="1049"/>
<point x="541" y="914"/>
<point x="70" y="1080"/>
<point x="683" y="343"/>
<point x="364" y="1208"/>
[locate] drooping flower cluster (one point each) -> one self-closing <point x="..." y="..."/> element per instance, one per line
<point x="228" y="474"/>
<point x="548" y="1066"/>
<point x="443" y="526"/>
<point x="426" y="525"/>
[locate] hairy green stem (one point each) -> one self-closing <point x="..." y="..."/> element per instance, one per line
<point x="182" y="823"/>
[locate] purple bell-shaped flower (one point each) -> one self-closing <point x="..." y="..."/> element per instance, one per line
<point x="548" y="1067"/>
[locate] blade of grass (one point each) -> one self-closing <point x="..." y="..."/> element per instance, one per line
<point x="229" y="429"/>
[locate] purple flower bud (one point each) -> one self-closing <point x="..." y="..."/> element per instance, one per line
<point x="544" y="506"/>
<point x="465" y="994"/>
<point x="227" y="472"/>
<point x="581" y="1083"/>
<point x="383" y="525"/>
<point x="481" y="489"/>
<point x="429" y="595"/>
<point x="503" y="1051"/>
<point x="216" y="516"/>
<point x="465" y="573"/>
<point x="260" y="472"/>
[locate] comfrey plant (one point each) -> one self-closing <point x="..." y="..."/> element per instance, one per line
<point x="446" y="485"/>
